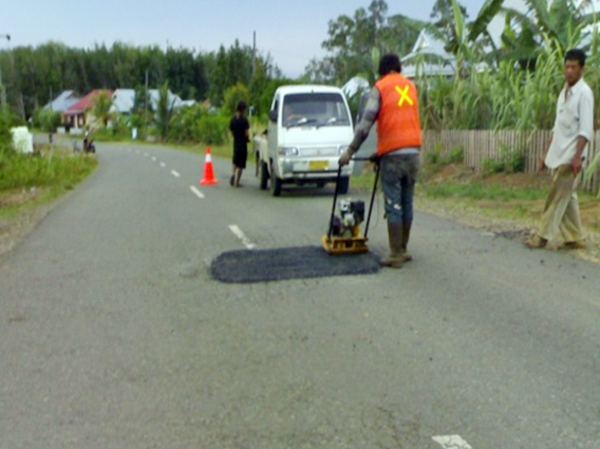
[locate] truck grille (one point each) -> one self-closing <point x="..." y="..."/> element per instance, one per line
<point x="320" y="151"/>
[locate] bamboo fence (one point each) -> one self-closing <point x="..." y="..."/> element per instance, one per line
<point x="481" y="146"/>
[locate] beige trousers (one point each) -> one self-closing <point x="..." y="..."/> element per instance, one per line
<point x="561" y="212"/>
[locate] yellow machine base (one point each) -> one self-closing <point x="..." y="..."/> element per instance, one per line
<point x="345" y="245"/>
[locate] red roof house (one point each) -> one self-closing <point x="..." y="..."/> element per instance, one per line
<point x="76" y="116"/>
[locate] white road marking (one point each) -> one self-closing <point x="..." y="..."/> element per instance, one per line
<point x="174" y="173"/>
<point x="146" y="154"/>
<point x="163" y="165"/>
<point x="240" y="235"/>
<point x="153" y="158"/>
<point x="197" y="192"/>
<point x="452" y="442"/>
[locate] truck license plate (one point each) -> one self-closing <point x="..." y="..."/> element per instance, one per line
<point x="318" y="165"/>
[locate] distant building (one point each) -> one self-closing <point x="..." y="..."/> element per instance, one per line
<point x="124" y="100"/>
<point x="63" y="102"/>
<point x="428" y="57"/>
<point x="188" y="103"/>
<point x="173" y="100"/>
<point x="79" y="114"/>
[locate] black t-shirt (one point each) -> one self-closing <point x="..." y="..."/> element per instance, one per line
<point x="238" y="127"/>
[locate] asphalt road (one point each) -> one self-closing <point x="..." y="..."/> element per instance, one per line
<point x="113" y="334"/>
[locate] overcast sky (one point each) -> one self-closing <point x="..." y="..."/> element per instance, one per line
<point x="290" y="31"/>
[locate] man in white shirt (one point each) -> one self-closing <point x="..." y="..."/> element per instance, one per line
<point x="572" y="132"/>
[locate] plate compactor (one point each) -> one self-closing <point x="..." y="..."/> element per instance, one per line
<point x="344" y="236"/>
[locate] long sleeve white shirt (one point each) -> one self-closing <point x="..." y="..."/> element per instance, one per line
<point x="574" y="118"/>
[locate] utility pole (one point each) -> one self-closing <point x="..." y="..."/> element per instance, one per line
<point x="146" y="107"/>
<point x="253" y="54"/>
<point x="2" y="88"/>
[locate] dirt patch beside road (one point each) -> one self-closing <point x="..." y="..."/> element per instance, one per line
<point x="20" y="212"/>
<point x="516" y="218"/>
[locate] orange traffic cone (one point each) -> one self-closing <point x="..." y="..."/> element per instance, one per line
<point x="209" y="177"/>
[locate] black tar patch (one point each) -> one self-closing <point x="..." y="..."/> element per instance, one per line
<point x="247" y="266"/>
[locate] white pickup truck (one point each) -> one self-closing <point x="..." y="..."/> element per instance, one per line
<point x="310" y="126"/>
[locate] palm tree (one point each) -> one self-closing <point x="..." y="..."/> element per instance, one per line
<point x="164" y="110"/>
<point x="101" y="109"/>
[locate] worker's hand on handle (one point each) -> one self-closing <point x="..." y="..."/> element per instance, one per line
<point x="345" y="159"/>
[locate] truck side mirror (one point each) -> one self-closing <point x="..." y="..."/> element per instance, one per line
<point x="273" y="115"/>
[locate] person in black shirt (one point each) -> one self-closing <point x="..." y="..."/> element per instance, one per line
<point x="239" y="127"/>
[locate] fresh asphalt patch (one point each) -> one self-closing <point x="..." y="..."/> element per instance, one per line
<point x="247" y="266"/>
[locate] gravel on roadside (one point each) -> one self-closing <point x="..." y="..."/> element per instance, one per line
<point x="514" y="229"/>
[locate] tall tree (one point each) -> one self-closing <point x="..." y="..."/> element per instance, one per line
<point x="227" y="68"/>
<point x="352" y="40"/>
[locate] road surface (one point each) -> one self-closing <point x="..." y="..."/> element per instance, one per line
<point x="113" y="334"/>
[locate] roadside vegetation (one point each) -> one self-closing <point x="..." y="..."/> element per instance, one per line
<point x="30" y="180"/>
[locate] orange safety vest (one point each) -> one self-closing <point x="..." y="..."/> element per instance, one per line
<point x="398" y="124"/>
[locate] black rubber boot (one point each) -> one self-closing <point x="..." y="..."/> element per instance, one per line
<point x="405" y="238"/>
<point x="396" y="258"/>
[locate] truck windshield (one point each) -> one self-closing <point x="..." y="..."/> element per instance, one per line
<point x="323" y="109"/>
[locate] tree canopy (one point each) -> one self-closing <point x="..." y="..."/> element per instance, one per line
<point x="490" y="72"/>
<point x="36" y="75"/>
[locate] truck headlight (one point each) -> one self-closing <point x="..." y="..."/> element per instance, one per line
<point x="288" y="151"/>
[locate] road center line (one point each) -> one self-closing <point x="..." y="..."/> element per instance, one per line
<point x="197" y="192"/>
<point x="240" y="235"/>
<point x="163" y="165"/>
<point x="153" y="158"/>
<point x="452" y="442"/>
<point x="174" y="173"/>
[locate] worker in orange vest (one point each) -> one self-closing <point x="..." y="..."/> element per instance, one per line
<point x="393" y="104"/>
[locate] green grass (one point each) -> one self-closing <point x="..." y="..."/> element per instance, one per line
<point x="364" y="181"/>
<point x="56" y="167"/>
<point x="50" y="173"/>
<point x="480" y="191"/>
<point x="472" y="190"/>
<point x="493" y="197"/>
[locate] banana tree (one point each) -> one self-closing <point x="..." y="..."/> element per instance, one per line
<point x="562" y="23"/>
<point x="471" y="41"/>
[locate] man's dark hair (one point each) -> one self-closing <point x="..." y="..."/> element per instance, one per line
<point x="576" y="54"/>
<point x="389" y="63"/>
<point x="241" y="107"/>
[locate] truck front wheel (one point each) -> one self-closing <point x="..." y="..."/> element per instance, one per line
<point x="275" y="185"/>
